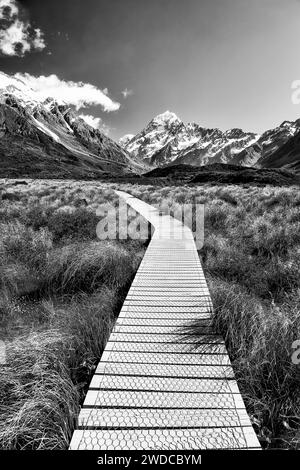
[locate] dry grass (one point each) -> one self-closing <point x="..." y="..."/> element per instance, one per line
<point x="58" y="284"/>
<point x="39" y="402"/>
<point x="259" y="336"/>
<point x="251" y="257"/>
<point x="60" y="292"/>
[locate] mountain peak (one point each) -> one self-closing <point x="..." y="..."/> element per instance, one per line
<point x="123" y="141"/>
<point x="46" y="138"/>
<point x="166" y="118"/>
<point x="167" y="140"/>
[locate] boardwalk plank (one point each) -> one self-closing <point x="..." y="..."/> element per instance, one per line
<point x="175" y="348"/>
<point x="173" y="439"/>
<point x="157" y="385"/>
<point x="117" y="418"/>
<point x="165" y="384"/>
<point x="161" y="399"/>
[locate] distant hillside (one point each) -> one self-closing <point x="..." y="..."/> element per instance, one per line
<point x="288" y="156"/>
<point x="47" y="139"/>
<point x="223" y="173"/>
<point x="167" y="140"/>
<point x="42" y="138"/>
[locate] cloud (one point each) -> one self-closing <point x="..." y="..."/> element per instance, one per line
<point x="17" y="36"/>
<point x="95" y="122"/>
<point x="127" y="93"/>
<point x="78" y="94"/>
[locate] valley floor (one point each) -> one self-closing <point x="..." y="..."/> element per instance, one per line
<point x="61" y="289"/>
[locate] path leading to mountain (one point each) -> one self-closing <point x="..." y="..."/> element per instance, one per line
<point x="153" y="388"/>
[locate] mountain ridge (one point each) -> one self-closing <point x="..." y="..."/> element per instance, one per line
<point x="47" y="137"/>
<point x="166" y="140"/>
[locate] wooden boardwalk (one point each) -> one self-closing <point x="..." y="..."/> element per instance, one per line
<point x="152" y="388"/>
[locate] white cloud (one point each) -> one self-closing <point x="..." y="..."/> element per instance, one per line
<point x="91" y="120"/>
<point x="38" y="41"/>
<point x="17" y="36"/>
<point x="127" y="93"/>
<point x="8" y="7"/>
<point x="95" y="122"/>
<point x="78" y="94"/>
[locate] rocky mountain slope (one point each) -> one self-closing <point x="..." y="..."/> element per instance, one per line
<point x="286" y="156"/>
<point x="268" y="143"/>
<point x="47" y="139"/>
<point x="166" y="140"/>
<point x="40" y="137"/>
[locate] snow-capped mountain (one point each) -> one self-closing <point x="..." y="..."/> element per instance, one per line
<point x="285" y="156"/>
<point x="167" y="140"/>
<point x="41" y="135"/>
<point x="268" y="143"/>
<point x="125" y="140"/>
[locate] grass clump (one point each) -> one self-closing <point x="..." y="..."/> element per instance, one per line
<point x="39" y="402"/>
<point x="259" y="339"/>
<point x="60" y="293"/>
<point x="87" y="266"/>
<point x="59" y="280"/>
<point x="251" y="257"/>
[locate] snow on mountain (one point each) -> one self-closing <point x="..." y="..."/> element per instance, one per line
<point x="125" y="139"/>
<point x="166" y="119"/>
<point x="27" y="115"/>
<point x="286" y="156"/>
<point x="268" y="143"/>
<point x="166" y="139"/>
<point x="11" y="85"/>
<point x="45" y="129"/>
<point x="38" y="134"/>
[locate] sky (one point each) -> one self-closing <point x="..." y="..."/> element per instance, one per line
<point x="220" y="63"/>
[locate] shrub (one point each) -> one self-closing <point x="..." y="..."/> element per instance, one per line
<point x="227" y="197"/>
<point x="80" y="224"/>
<point x="17" y="279"/>
<point x="215" y="216"/>
<point x="21" y="243"/>
<point x="10" y="197"/>
<point x="35" y="217"/>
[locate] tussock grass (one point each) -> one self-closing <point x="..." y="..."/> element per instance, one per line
<point x="39" y="402"/>
<point x="90" y="265"/>
<point x="259" y="339"/>
<point x="53" y="347"/>
<point x="60" y="292"/>
<point x="59" y="280"/>
<point x="251" y="257"/>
